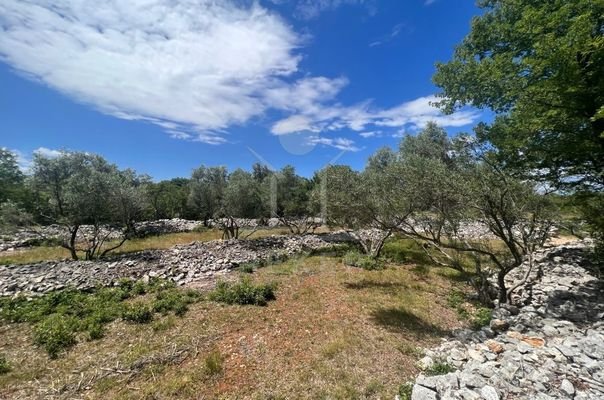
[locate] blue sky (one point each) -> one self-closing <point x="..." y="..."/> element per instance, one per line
<point x="163" y="86"/>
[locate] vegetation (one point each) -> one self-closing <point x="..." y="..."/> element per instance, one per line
<point x="538" y="66"/>
<point x="4" y="365"/>
<point x="58" y="318"/>
<point x="439" y="368"/>
<point x="355" y="259"/>
<point x="343" y="326"/>
<point x="243" y="292"/>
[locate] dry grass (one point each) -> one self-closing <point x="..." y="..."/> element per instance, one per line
<point x="43" y="253"/>
<point x="334" y="332"/>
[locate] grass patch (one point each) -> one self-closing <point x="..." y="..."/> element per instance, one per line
<point x="439" y="368"/>
<point x="243" y="292"/>
<point x="473" y="312"/>
<point x="213" y="363"/>
<point x="58" y="318"/>
<point x="5" y="366"/>
<point x="356" y="259"/>
<point x="164" y="324"/>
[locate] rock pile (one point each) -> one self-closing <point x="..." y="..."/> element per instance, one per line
<point x="33" y="236"/>
<point x="182" y="264"/>
<point x="550" y="347"/>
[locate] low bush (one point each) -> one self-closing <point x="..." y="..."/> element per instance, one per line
<point x="440" y="368"/>
<point x="481" y="318"/>
<point x="55" y="334"/>
<point x="4" y="365"/>
<point x="246" y="268"/>
<point x="137" y="312"/>
<point x="175" y="300"/>
<point x="356" y="259"/>
<point x="243" y="292"/>
<point x="59" y="316"/>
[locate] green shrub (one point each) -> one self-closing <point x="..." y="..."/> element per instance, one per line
<point x="175" y="300"/>
<point x="243" y="292"/>
<point x="405" y="391"/>
<point x="481" y="318"/>
<point x="246" y="268"/>
<point x="359" y="260"/>
<point x="138" y="312"/>
<point x="55" y="333"/>
<point x="440" y="368"/>
<point x="4" y="365"/>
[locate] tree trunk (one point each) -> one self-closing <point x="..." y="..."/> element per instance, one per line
<point x="72" y="242"/>
<point x="503" y="292"/>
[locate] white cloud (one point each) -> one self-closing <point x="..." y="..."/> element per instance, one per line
<point x="338" y="143"/>
<point x="187" y="66"/>
<point x="413" y="114"/>
<point x="370" y="134"/>
<point x="48" y="153"/>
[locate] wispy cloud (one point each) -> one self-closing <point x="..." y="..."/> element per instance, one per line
<point x="338" y="143"/>
<point x="429" y="2"/>
<point x="394" y="32"/>
<point x="410" y="115"/>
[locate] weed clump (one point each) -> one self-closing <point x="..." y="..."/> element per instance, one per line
<point x="481" y="318"/>
<point x="243" y="292"/>
<point x="440" y="368"/>
<point x="405" y="391"/>
<point x="4" y="365"/>
<point x="359" y="260"/>
<point x="213" y="363"/>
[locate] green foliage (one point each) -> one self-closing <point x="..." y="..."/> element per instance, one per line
<point x="405" y="391"/>
<point x="247" y="268"/>
<point x="59" y="316"/>
<point x="243" y="292"/>
<point x="356" y="259"/>
<point x="481" y="318"/>
<point x="5" y="366"/>
<point x="439" y="368"/>
<point x="538" y="66"/>
<point x="56" y="333"/>
<point x="175" y="300"/>
<point x="83" y="188"/>
<point x="137" y="312"/>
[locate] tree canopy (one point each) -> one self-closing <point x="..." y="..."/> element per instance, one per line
<point x="539" y="65"/>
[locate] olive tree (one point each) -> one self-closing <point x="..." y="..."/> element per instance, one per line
<point x="241" y="202"/>
<point x="293" y="206"/>
<point x="206" y="191"/>
<point x="84" y="189"/>
<point x="451" y="192"/>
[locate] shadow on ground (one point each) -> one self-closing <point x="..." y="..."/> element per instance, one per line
<point x="399" y="320"/>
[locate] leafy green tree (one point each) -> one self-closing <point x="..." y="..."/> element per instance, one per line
<point x="293" y="207"/>
<point x="538" y="66"/>
<point x="11" y="177"/>
<point x="206" y="191"/>
<point x="169" y="198"/>
<point x="84" y="189"/>
<point x="241" y="202"/>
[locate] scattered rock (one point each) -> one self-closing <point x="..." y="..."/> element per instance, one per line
<point x="499" y="325"/>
